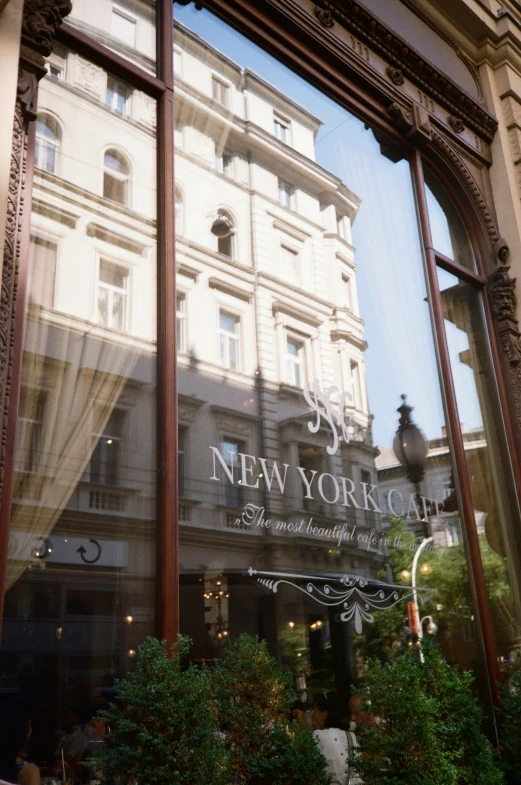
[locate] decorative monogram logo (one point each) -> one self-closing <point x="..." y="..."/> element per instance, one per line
<point x="331" y="413"/>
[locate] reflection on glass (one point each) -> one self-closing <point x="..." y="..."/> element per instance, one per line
<point x="449" y="235"/>
<point x="81" y="584"/>
<point x="48" y="135"/>
<point x="293" y="495"/>
<point x="128" y="27"/>
<point x="486" y="460"/>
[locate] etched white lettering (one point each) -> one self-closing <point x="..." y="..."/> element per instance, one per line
<point x="248" y="470"/>
<point x="308" y="485"/>
<point x="390" y="502"/>
<point x="274" y="473"/>
<point x="228" y="469"/>
<point x="369" y="498"/>
<point x="321" y="488"/>
<point x="350" y="492"/>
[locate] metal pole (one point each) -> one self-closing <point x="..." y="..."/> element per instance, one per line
<point x="420" y="548"/>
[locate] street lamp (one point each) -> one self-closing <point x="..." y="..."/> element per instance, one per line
<point x="409" y="445"/>
<point x="419" y="549"/>
<point x="410" y="448"/>
<point x="417" y="623"/>
<point x="222" y="226"/>
<point x="431" y="628"/>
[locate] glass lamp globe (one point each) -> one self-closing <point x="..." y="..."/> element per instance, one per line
<point x="409" y="444"/>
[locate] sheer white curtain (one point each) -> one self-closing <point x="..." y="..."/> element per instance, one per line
<point x="80" y="374"/>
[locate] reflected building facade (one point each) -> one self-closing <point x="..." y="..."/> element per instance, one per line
<point x="279" y="298"/>
<point x="231" y="279"/>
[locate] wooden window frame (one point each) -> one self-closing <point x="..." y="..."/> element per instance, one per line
<point x="290" y="39"/>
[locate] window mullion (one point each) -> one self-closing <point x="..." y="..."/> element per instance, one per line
<point x="454" y="429"/>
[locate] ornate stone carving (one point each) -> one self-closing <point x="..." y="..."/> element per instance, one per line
<point x="502" y="293"/>
<point x="503" y="299"/>
<point x="87" y="76"/>
<point x="371" y="32"/>
<point x="401" y="116"/>
<point x="12" y="242"/>
<point x="461" y="169"/>
<point x="27" y="91"/>
<point x="40" y="21"/>
<point x="456" y="124"/>
<point x="324" y="16"/>
<point x="414" y="122"/>
<point x="501" y="250"/>
<point x="395" y="75"/>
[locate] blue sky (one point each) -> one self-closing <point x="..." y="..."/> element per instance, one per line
<point x="390" y="280"/>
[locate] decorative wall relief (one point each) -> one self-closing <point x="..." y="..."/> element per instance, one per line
<point x="87" y="76"/>
<point x="402" y="58"/>
<point x="40" y="21"/>
<point x="395" y="75"/>
<point x="504" y="301"/>
<point x="456" y="124"/>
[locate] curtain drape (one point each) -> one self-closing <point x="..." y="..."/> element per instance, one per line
<point x="72" y="380"/>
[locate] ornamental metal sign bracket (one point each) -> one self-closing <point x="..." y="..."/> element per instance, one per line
<point x="357" y="597"/>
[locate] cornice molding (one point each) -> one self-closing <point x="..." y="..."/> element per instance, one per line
<point x="463" y="56"/>
<point x="407" y="62"/>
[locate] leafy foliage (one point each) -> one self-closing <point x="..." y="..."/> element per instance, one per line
<point x="510" y="732"/>
<point x="294" y="647"/>
<point x="451" y="605"/>
<point x="163" y="725"/>
<point x="430" y="728"/>
<point x="385" y="637"/>
<point x="461" y="719"/>
<point x="253" y="698"/>
<point x="289" y="756"/>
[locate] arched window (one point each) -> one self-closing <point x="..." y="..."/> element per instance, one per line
<point x="48" y="139"/>
<point x="116" y="177"/>
<point x="449" y="235"/>
<point x="179" y="212"/>
<point x="223" y="228"/>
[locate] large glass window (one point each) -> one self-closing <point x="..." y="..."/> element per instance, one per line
<point x="326" y="472"/>
<point x="81" y="574"/>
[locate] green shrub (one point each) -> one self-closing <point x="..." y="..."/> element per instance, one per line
<point x="430" y="728"/>
<point x="510" y="730"/>
<point x="461" y="719"/>
<point x="162" y="729"/>
<point x="253" y="698"/>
